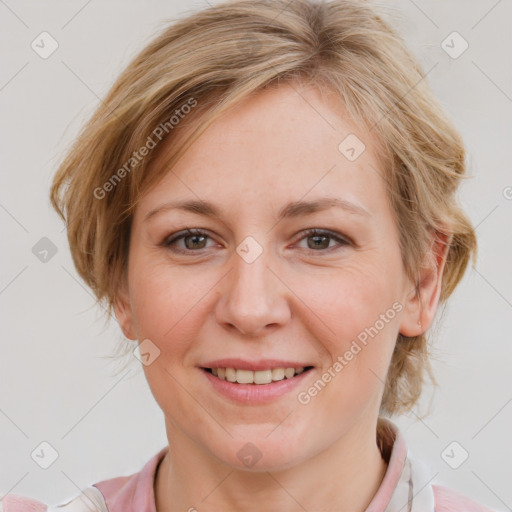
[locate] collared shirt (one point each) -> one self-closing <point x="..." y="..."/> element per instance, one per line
<point x="407" y="486"/>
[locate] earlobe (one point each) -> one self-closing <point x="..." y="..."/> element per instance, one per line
<point x="123" y="312"/>
<point x="421" y="303"/>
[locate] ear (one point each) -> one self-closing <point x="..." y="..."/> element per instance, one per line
<point x="123" y="312"/>
<point x="421" y="304"/>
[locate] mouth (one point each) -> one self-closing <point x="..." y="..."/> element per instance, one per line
<point x="258" y="377"/>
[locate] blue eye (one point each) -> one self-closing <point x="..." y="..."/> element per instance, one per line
<point x="195" y="240"/>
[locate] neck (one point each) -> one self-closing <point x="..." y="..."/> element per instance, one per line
<point x="344" y="477"/>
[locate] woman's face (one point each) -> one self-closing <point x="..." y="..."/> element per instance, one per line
<point x="254" y="291"/>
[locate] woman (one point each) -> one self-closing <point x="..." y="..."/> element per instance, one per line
<point x="266" y="202"/>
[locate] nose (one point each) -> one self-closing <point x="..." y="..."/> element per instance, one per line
<point x="254" y="298"/>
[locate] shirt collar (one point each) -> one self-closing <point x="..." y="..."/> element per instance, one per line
<point x="404" y="488"/>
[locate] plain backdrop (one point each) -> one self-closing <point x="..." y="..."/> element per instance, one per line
<point x="56" y="382"/>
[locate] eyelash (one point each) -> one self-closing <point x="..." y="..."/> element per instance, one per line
<point x="343" y="241"/>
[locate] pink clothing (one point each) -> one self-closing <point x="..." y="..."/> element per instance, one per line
<point x="402" y="483"/>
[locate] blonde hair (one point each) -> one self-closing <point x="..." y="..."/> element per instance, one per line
<point x="213" y="59"/>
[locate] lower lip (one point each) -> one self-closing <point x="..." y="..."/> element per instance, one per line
<point x="254" y="393"/>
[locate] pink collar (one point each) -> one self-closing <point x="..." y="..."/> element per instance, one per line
<point x="136" y="492"/>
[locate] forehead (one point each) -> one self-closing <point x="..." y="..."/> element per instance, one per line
<point x="280" y="144"/>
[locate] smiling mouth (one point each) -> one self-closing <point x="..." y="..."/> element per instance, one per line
<point x="259" y="377"/>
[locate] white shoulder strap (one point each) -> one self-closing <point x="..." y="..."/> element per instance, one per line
<point x="423" y="492"/>
<point x="89" y="500"/>
<point x="414" y="492"/>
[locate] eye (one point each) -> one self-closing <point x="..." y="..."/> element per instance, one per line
<point x="192" y="238"/>
<point x="195" y="240"/>
<point x="321" y="239"/>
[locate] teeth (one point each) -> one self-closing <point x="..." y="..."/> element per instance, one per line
<point x="262" y="377"/>
<point x="244" y="376"/>
<point x="289" y="373"/>
<point x="257" y="377"/>
<point x="277" y="373"/>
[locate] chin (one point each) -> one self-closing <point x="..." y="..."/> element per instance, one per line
<point x="260" y="451"/>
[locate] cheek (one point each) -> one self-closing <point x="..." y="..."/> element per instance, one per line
<point x="167" y="302"/>
<point x="360" y="315"/>
<point x="352" y="297"/>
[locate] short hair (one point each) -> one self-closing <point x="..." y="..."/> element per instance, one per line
<point x="200" y="66"/>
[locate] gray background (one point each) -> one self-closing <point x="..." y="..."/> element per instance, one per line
<point x="56" y="382"/>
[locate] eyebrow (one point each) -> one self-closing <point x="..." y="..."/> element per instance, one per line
<point x="293" y="209"/>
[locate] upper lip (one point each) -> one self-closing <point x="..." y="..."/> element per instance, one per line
<point x="254" y="365"/>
